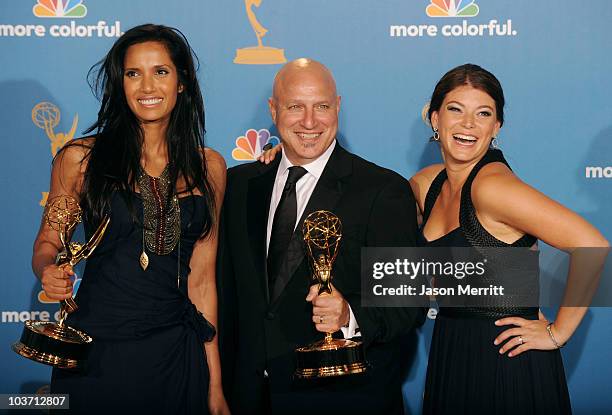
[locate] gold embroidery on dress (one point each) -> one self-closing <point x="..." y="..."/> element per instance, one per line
<point x="161" y="218"/>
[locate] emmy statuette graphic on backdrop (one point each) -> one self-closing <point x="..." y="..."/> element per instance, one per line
<point x="328" y="357"/>
<point x="260" y="54"/>
<point x="58" y="344"/>
<point x="46" y="116"/>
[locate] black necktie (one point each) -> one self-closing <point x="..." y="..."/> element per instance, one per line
<point x="283" y="225"/>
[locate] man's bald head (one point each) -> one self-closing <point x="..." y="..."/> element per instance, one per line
<point x="300" y="69"/>
<point x="305" y="106"/>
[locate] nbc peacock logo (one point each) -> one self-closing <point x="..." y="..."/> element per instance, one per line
<point x="250" y="145"/>
<point x="74" y="9"/>
<point x="66" y="13"/>
<point x="452" y="8"/>
<point x="60" y="8"/>
<point x="462" y="27"/>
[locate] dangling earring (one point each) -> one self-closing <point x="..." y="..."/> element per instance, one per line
<point x="494" y="143"/>
<point x="436" y="135"/>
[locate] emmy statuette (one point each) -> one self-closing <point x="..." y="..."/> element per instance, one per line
<point x="58" y="344"/>
<point x="328" y="357"/>
<point x="260" y="54"/>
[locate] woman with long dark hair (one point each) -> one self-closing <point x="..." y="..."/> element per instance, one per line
<point x="148" y="294"/>
<point x="501" y="358"/>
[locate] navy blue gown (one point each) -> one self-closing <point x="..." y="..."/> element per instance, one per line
<point x="465" y="373"/>
<point x="148" y="350"/>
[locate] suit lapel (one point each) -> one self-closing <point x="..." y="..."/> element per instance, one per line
<point x="258" y="206"/>
<point x="325" y="196"/>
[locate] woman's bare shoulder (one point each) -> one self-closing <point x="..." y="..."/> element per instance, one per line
<point x="79" y="148"/>
<point x="213" y="157"/>
<point x="216" y="168"/>
<point x="429" y="173"/>
<point x="422" y="179"/>
<point x="490" y="179"/>
<point x="74" y="154"/>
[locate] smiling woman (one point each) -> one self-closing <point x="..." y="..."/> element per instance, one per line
<point x="465" y="122"/>
<point x="148" y="294"/>
<point x="474" y="199"/>
<point x="150" y="82"/>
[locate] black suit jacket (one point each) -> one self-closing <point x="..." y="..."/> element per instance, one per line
<point x="259" y="330"/>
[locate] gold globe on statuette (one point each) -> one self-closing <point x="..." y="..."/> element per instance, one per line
<point x="328" y="357"/>
<point x="58" y="344"/>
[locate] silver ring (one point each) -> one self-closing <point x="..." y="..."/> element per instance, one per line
<point x="520" y="339"/>
<point x="320" y="319"/>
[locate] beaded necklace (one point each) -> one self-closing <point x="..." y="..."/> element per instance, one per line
<point x="161" y="231"/>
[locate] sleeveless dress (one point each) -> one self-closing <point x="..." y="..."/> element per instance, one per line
<point x="465" y="373"/>
<point x="148" y="353"/>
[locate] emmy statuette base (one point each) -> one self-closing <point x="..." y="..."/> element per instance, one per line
<point x="260" y="55"/>
<point x="328" y="358"/>
<point x="53" y="344"/>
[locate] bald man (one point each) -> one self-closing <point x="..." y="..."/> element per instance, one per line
<point x="267" y="306"/>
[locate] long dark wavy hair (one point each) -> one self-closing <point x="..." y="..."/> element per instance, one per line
<point x="114" y="158"/>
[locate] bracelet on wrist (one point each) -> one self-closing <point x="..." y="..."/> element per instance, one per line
<point x="552" y="336"/>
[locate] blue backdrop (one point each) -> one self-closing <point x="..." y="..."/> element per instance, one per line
<point x="553" y="59"/>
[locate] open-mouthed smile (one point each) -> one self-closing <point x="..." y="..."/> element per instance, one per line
<point x="465" y="139"/>
<point x="150" y="101"/>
